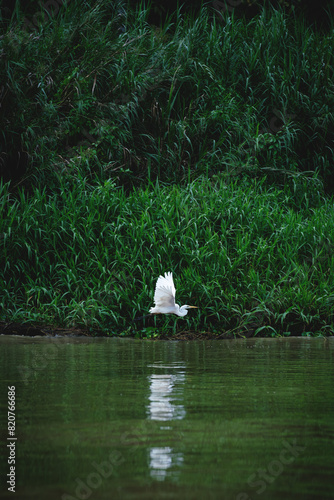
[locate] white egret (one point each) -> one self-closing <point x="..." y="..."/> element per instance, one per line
<point x="164" y="298"/>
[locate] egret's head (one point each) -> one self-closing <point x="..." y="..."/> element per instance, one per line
<point x="184" y="310"/>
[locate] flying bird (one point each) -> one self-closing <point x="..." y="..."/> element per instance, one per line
<point x="164" y="298"/>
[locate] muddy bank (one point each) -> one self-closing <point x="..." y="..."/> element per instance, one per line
<point x="34" y="330"/>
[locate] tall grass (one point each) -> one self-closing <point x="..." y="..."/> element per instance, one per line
<point x="249" y="256"/>
<point x="201" y="147"/>
<point x="100" y="91"/>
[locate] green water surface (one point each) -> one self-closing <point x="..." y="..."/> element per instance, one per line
<point x="128" y="419"/>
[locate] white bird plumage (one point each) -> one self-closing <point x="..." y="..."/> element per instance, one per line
<point x="164" y="298"/>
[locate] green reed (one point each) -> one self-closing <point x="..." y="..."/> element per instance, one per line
<point x="100" y="92"/>
<point x="246" y="254"/>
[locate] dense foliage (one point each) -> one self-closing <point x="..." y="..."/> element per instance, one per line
<point x="202" y="147"/>
<point x="100" y="91"/>
<point x="249" y="257"/>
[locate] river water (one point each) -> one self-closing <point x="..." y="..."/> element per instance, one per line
<point x="123" y="419"/>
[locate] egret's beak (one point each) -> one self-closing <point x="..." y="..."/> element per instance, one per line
<point x="192" y="307"/>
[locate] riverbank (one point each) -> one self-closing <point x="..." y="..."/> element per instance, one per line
<point x="35" y="330"/>
<point x="28" y="330"/>
<point x="202" y="147"/>
<point x="248" y="255"/>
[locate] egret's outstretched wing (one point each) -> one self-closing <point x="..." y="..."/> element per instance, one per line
<point x="164" y="295"/>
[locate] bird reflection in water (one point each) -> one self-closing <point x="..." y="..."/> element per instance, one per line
<point x="165" y="405"/>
